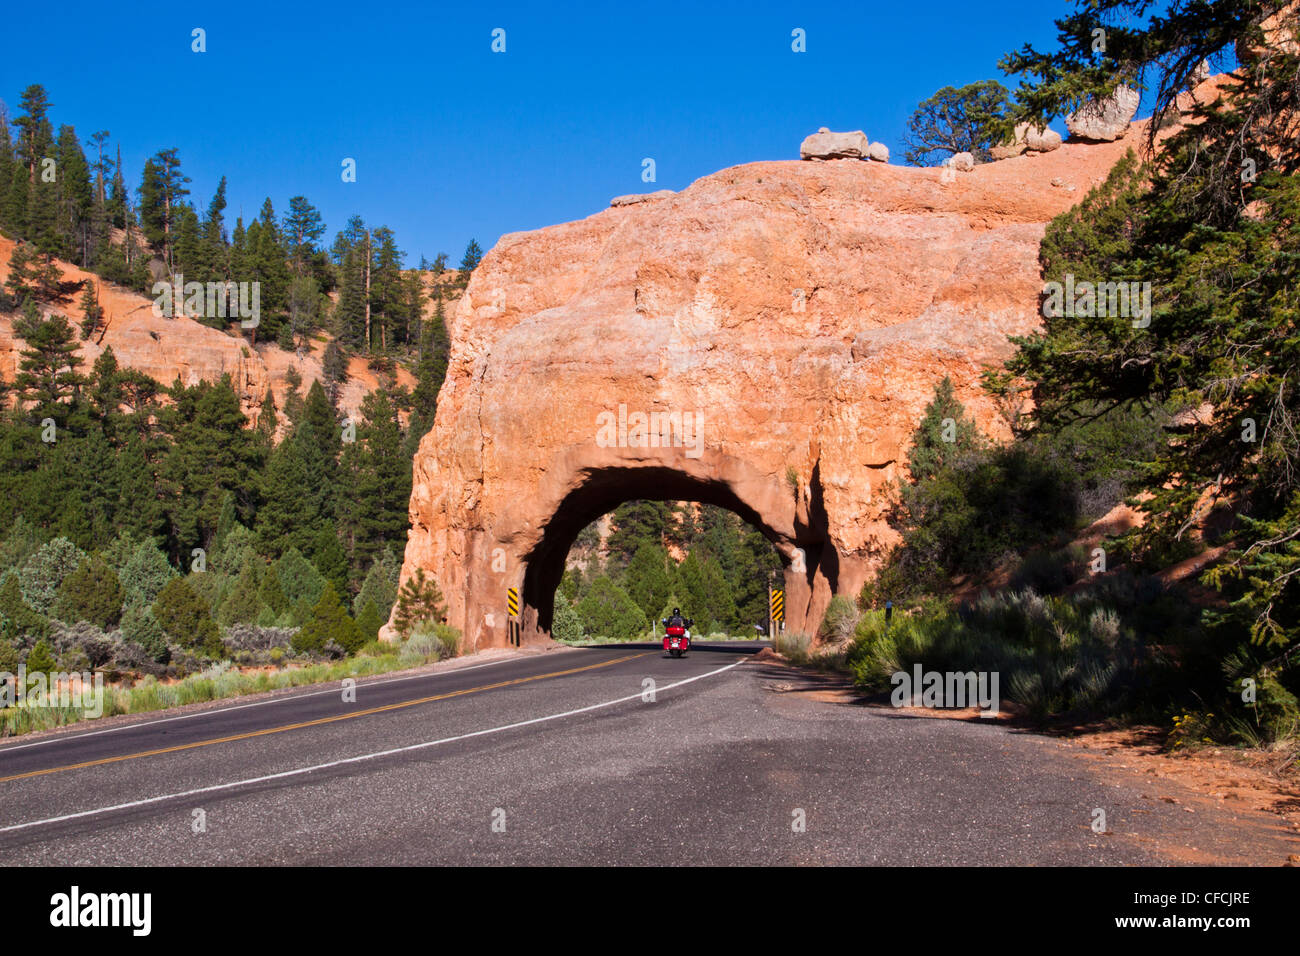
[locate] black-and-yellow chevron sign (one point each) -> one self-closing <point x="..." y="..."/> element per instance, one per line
<point x="512" y="601"/>
<point x="778" y="605"/>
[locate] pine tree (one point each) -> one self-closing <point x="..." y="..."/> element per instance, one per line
<point x="648" y="579"/>
<point x="161" y="190"/>
<point x="269" y="592"/>
<point x="102" y="165"/>
<point x="34" y="131"/>
<point x="328" y="557"/>
<point x="375" y="483"/>
<point x="8" y="165"/>
<point x="212" y="453"/>
<point x="21" y="281"/>
<point x="267" y="259"/>
<point x="419" y="599"/>
<point x="75" y="198"/>
<point x="334" y="366"/>
<point x="188" y="258"/>
<point x="299" y="580"/>
<point x="45" y="570"/>
<point x="350" y="313"/>
<point x="637" y="523"/>
<point x="215" y="264"/>
<point x="302" y="230"/>
<point x="139" y="627"/>
<point x="91" y="313"/>
<point x="946" y="433"/>
<point x="267" y="421"/>
<point x="31" y="197"/>
<point x="118" y="201"/>
<point x="430" y="373"/>
<point x="1218" y="250"/>
<point x="40" y="659"/>
<point x="473" y="256"/>
<point x="48" y="374"/>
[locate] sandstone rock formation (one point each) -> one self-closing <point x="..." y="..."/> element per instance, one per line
<point x="1278" y="31"/>
<point x="1028" y="139"/>
<point x="786" y="323"/>
<point x="633" y="199"/>
<point x="1105" y="120"/>
<point x="824" y="144"/>
<point x="962" y="162"/>
<point x="878" y="152"/>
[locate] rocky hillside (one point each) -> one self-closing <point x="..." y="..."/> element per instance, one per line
<point x="169" y="348"/>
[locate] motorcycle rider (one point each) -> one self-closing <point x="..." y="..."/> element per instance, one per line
<point x="676" y="620"/>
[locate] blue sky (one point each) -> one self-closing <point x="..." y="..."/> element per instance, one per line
<point x="453" y="141"/>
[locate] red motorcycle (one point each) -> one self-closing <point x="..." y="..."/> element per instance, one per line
<point x="677" y="639"/>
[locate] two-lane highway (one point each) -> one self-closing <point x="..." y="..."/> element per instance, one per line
<point x="614" y="754"/>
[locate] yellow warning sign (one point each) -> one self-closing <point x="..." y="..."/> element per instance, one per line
<point x="512" y="601"/>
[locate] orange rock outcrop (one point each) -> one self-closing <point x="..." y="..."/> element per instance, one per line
<point x="804" y="311"/>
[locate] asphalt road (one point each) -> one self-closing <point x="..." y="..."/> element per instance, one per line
<point x="559" y="758"/>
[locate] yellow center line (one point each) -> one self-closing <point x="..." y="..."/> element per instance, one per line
<point x="319" y="721"/>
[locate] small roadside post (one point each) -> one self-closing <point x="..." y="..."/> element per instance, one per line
<point x="512" y="616"/>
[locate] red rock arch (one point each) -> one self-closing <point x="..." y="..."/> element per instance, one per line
<point x="806" y="310"/>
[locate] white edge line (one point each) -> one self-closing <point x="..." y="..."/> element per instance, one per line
<point x="209" y="711"/>
<point x="358" y="759"/>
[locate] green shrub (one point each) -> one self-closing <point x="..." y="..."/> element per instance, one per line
<point x="241" y="604"/>
<point x="606" y="611"/>
<point x="839" y="621"/>
<point x="299" y="579"/>
<point x="187" y="619"/>
<point x="379" y="586"/>
<point x="144" y="574"/>
<point x="329" y="626"/>
<point x="139" y="627"/>
<point x="27" y="625"/>
<point x="566" y="625"/>
<point x="1052" y="655"/>
<point x="91" y="593"/>
<point x="45" y="571"/>
<point x="40" y="658"/>
<point x="370" y="621"/>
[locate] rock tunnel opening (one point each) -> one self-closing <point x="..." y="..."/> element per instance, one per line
<point x="802" y="553"/>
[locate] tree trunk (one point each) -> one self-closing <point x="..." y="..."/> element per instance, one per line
<point x="367" y="292"/>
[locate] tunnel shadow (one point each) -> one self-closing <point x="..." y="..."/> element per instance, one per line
<point x="601" y="492"/>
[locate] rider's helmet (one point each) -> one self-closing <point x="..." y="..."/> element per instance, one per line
<point x="677" y="611"/>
